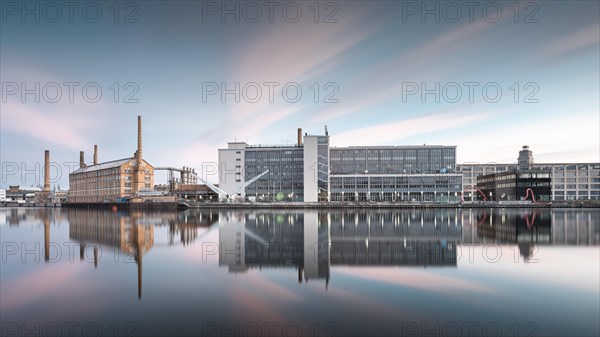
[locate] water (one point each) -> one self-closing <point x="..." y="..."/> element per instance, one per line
<point x="513" y="272"/>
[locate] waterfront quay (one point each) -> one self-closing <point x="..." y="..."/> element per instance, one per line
<point x="325" y="205"/>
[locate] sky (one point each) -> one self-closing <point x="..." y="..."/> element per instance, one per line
<point x="486" y="76"/>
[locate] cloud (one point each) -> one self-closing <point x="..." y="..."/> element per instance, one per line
<point x="66" y="123"/>
<point x="391" y="132"/>
<point x="30" y="122"/>
<point x="545" y="137"/>
<point x="569" y="43"/>
<point x="418" y="279"/>
<point x="382" y="84"/>
<point x="303" y="53"/>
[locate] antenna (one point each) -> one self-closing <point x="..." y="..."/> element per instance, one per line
<point x="326" y="132"/>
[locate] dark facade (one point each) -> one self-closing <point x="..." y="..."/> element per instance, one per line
<point x="286" y="168"/>
<point x="513" y="185"/>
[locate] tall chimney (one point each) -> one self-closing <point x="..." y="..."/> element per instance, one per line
<point x="95" y="154"/>
<point x="299" y="136"/>
<point x="81" y="160"/>
<point x="47" y="171"/>
<point x="139" y="140"/>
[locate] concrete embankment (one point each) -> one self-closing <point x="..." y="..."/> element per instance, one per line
<point x="300" y="205"/>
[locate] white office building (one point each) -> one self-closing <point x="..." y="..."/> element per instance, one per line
<point x="293" y="172"/>
<point x="312" y="171"/>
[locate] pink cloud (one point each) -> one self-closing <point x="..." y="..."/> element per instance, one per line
<point x="390" y="132"/>
<point x="24" y="119"/>
<point x="30" y="287"/>
<point x="586" y="37"/>
<point x="418" y="279"/>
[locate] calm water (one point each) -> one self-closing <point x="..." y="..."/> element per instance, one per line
<point x="340" y="273"/>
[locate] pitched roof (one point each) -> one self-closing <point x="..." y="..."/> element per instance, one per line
<point x="103" y="166"/>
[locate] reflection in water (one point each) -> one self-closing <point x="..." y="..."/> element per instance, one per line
<point x="112" y="229"/>
<point x="132" y="233"/>
<point x="363" y="258"/>
<point x="312" y="242"/>
<point x="529" y="227"/>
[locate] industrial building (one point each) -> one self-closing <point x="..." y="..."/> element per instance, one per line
<point x="293" y="172"/>
<point x="533" y="185"/>
<point x="312" y="171"/>
<point x="21" y="194"/>
<point x="395" y="173"/>
<point x="111" y="181"/>
<point x="568" y="181"/>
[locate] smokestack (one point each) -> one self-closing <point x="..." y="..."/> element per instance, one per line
<point x="299" y="136"/>
<point x="47" y="171"/>
<point x="95" y="154"/>
<point x="81" y="159"/>
<point x="139" y="139"/>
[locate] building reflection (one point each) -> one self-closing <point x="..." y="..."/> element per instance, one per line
<point x="527" y="228"/>
<point x="183" y="226"/>
<point x="124" y="231"/>
<point x="133" y="232"/>
<point x="312" y="242"/>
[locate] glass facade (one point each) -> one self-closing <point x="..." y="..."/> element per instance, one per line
<point x="285" y="180"/>
<point x="396" y="188"/>
<point x="393" y="160"/>
<point x="514" y="185"/>
<point x="323" y="167"/>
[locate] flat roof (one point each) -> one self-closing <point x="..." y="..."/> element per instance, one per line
<point x="391" y="147"/>
<point x="534" y="164"/>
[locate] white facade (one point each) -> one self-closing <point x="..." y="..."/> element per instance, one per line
<point x="311" y="246"/>
<point x="291" y="172"/>
<point x="570" y="181"/>
<point x="232" y="243"/>
<point x="231" y="168"/>
<point x="311" y="169"/>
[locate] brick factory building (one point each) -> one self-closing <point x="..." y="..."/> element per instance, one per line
<point x="111" y="181"/>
